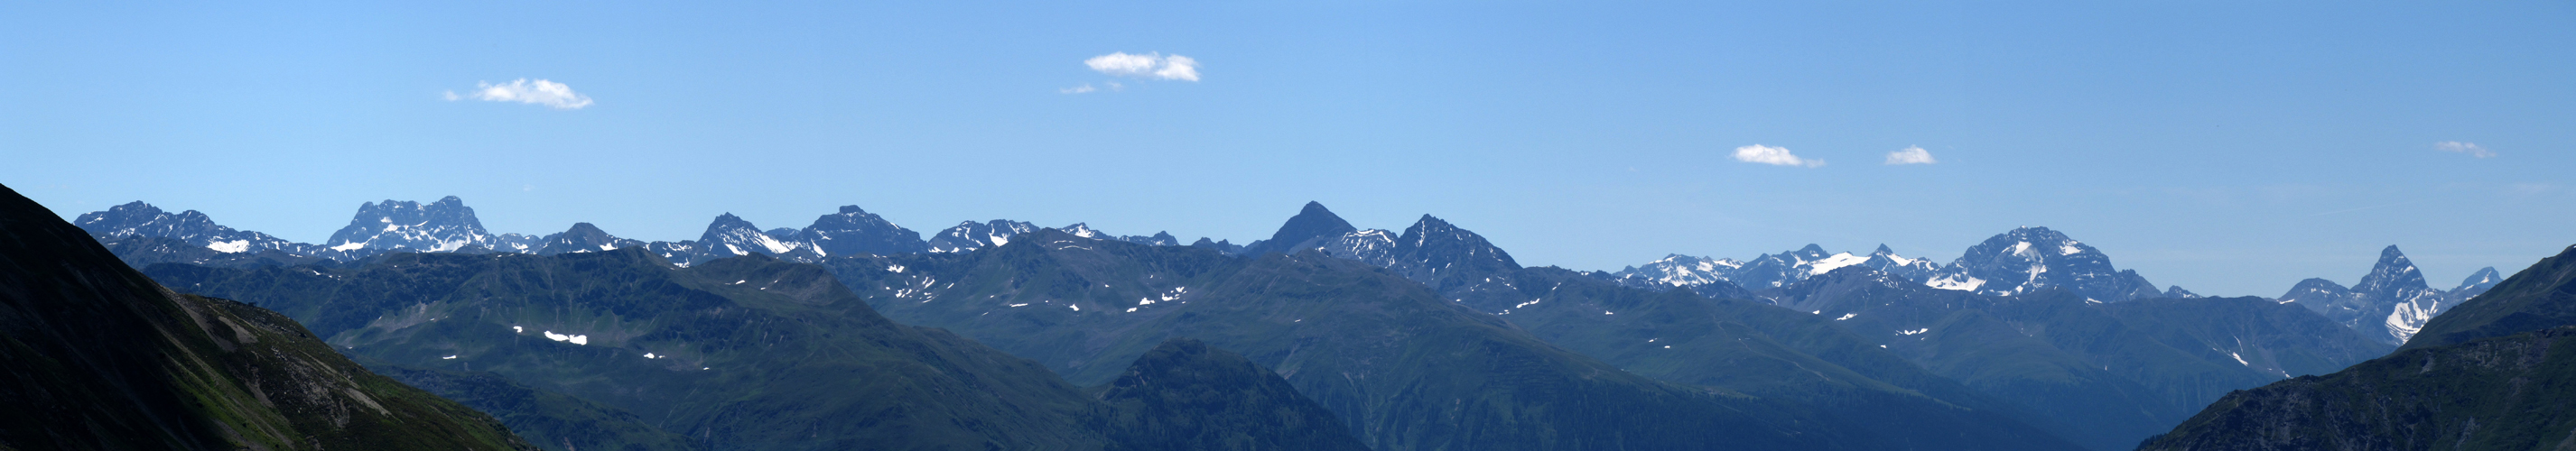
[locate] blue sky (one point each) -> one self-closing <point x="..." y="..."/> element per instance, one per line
<point x="2230" y="148"/>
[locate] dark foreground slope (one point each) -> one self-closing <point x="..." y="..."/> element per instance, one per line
<point x="2513" y="392"/>
<point x="1186" y="396"/>
<point x="2511" y="389"/>
<point x="98" y="357"/>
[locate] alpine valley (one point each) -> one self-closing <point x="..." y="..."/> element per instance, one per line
<point x="856" y="333"/>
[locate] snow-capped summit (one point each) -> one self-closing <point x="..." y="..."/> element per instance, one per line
<point x="443" y="226"/>
<point x="1083" y="230"/>
<point x="732" y="234"/>
<point x="1373" y="246"/>
<point x="1677" y="271"/>
<point x="2475" y="285"/>
<point x="971" y="235"/>
<point x="2389" y="304"/>
<point x="1788" y="267"/>
<point x="2027" y="259"/>
<point x="1885" y="260"/>
<point x="138" y="219"/>
<point x="1767" y="271"/>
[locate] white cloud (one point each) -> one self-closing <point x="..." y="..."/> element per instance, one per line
<point x="1758" y="153"/>
<point x="540" y="92"/>
<point x="1911" y="155"/>
<point x="1084" y="89"/>
<point x="1152" y="66"/>
<point x="2463" y="147"/>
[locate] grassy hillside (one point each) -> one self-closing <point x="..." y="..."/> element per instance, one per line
<point x="1186" y="396"/>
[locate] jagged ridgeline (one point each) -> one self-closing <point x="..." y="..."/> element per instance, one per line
<point x="2028" y="340"/>
<point x="98" y="357"/>
<point x="2496" y="372"/>
<point x="142" y="235"/>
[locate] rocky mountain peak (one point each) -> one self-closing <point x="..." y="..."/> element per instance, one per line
<point x="971" y="235"/>
<point x="2389" y="304"/>
<point x="854" y="231"/>
<point x="444" y="225"/>
<point x="736" y="236"/>
<point x="2394" y="276"/>
<point x="1311" y="223"/>
<point x="2027" y="259"/>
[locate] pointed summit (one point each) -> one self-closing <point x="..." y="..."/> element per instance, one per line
<point x="1310" y="223"/>
<point x="2480" y="281"/>
<point x="2475" y="285"/>
<point x="1882" y="250"/>
<point x="2392" y="275"/>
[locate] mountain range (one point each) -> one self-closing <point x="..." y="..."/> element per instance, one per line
<point x="447" y="225"/>
<point x="2024" y="260"/>
<point x="2029" y="340"/>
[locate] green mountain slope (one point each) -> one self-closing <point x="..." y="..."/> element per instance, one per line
<point x="2508" y="392"/>
<point x="98" y="357"/>
<point x="1184" y="396"/>
<point x="2540" y="297"/>
<point x="553" y="421"/>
